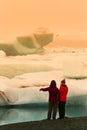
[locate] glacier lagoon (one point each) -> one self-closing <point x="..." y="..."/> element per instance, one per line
<point x="23" y="76"/>
<point x="35" y="112"/>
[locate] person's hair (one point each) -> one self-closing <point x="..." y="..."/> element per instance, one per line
<point x="53" y="83"/>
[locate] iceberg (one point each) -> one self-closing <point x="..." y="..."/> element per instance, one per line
<point x="24" y="89"/>
<point x="75" y="67"/>
<point x="27" y="74"/>
<point x="31" y="44"/>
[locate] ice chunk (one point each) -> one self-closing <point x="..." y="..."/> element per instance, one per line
<point x="75" y="67"/>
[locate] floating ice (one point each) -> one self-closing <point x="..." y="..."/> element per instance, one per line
<point x="24" y="89"/>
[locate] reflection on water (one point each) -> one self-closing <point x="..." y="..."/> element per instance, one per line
<point x="32" y="113"/>
<point x="22" y="114"/>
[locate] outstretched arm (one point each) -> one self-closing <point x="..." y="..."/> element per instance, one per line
<point x="44" y="89"/>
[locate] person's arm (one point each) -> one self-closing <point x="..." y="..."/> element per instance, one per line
<point x="44" y="89"/>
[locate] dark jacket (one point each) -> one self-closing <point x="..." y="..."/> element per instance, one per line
<point x="53" y="93"/>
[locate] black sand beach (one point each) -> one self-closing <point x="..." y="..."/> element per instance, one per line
<point x="76" y="123"/>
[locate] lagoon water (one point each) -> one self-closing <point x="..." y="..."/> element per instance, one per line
<point x="35" y="113"/>
<point x="21" y="77"/>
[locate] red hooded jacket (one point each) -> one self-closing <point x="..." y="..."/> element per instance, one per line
<point x="63" y="93"/>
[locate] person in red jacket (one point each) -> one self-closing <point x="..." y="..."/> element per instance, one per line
<point x="63" y="91"/>
<point x="53" y="99"/>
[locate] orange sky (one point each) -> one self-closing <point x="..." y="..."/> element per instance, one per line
<point x="21" y="17"/>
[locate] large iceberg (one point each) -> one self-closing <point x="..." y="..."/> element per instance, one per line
<point x="31" y="44"/>
<point x="27" y="74"/>
<point x="24" y="89"/>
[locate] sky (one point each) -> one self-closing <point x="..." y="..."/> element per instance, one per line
<point x="22" y="17"/>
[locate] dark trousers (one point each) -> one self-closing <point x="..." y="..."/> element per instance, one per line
<point x="52" y="110"/>
<point x="62" y="109"/>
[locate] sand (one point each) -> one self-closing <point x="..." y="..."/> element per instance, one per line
<point x="76" y="123"/>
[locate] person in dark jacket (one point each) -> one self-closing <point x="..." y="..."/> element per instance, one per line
<point x="63" y="91"/>
<point x="53" y="99"/>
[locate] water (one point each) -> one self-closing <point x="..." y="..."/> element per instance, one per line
<point x="22" y="114"/>
<point x="76" y="111"/>
<point x="35" y="113"/>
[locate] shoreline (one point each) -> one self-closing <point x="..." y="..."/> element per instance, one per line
<point x="75" y="123"/>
